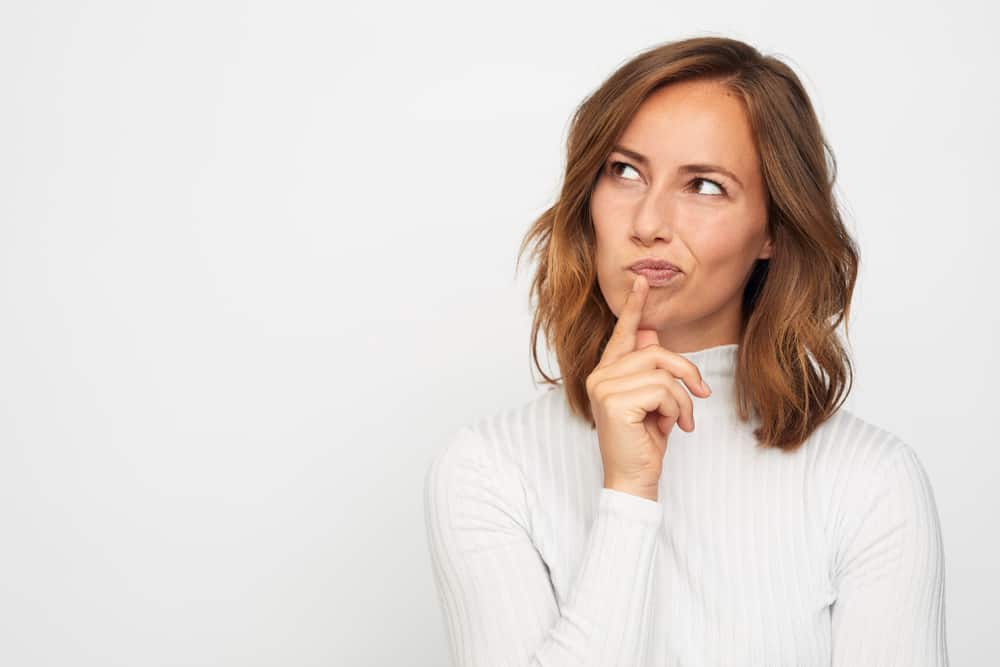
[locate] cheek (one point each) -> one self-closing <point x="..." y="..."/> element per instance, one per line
<point x="604" y="234"/>
<point x="721" y="272"/>
<point x="721" y="263"/>
<point x="607" y="207"/>
<point x="598" y="210"/>
<point x="716" y="238"/>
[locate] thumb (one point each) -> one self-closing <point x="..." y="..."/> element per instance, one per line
<point x="645" y="338"/>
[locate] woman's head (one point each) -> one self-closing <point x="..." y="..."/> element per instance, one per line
<point x="766" y="261"/>
<point x="683" y="184"/>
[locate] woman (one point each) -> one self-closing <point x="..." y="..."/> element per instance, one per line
<point x="696" y="238"/>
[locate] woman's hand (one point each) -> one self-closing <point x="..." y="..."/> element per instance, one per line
<point x="636" y="400"/>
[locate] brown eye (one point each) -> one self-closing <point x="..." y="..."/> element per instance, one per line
<point x="706" y="180"/>
<point x="612" y="166"/>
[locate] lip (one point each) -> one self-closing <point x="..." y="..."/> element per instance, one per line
<point x="657" y="277"/>
<point x="654" y="264"/>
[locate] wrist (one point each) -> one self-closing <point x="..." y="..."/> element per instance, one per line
<point x="641" y="490"/>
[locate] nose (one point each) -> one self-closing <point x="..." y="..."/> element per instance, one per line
<point x="653" y="218"/>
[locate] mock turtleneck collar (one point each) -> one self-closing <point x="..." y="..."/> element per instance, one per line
<point x="718" y="366"/>
<point x="718" y="361"/>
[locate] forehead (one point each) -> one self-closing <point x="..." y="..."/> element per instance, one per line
<point x="693" y="121"/>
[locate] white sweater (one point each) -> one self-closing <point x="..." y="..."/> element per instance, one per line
<point x="831" y="555"/>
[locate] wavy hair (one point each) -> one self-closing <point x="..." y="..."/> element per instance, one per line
<point x="791" y="369"/>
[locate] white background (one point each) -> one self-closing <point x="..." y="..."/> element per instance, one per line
<point x="258" y="261"/>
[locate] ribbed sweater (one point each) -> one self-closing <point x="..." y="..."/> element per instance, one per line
<point x="829" y="555"/>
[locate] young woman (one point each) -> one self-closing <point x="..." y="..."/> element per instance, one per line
<point x="692" y="274"/>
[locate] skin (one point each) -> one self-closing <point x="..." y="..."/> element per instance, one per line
<point x="713" y="227"/>
<point x="637" y="401"/>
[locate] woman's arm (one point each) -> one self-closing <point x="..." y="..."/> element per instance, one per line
<point x="890" y="574"/>
<point x="496" y="595"/>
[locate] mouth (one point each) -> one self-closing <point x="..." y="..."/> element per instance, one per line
<point x="658" y="272"/>
<point x="657" y="277"/>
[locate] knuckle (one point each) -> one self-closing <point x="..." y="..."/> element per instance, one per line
<point x="654" y="350"/>
<point x="612" y="402"/>
<point x="664" y="375"/>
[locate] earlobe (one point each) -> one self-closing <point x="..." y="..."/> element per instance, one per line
<point x="765" y="253"/>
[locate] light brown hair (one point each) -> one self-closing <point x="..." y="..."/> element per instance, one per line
<point x="791" y="368"/>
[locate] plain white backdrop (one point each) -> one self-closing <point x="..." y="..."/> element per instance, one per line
<point x="258" y="261"/>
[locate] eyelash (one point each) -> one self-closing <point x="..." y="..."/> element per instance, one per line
<point x="612" y="164"/>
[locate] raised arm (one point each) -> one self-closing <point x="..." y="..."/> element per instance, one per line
<point x="493" y="586"/>
<point x="889" y="575"/>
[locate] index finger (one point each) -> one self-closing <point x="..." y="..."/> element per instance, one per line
<point x="623" y="336"/>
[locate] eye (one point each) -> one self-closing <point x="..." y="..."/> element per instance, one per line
<point x="612" y="165"/>
<point x="706" y="180"/>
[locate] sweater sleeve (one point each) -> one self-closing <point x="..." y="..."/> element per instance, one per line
<point x="889" y="574"/>
<point x="493" y="586"/>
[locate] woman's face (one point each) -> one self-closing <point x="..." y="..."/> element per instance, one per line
<point x="710" y="224"/>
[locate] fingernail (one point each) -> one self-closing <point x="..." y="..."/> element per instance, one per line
<point x="706" y="387"/>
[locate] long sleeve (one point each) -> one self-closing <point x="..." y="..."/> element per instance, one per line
<point x="890" y="574"/>
<point x="495" y="593"/>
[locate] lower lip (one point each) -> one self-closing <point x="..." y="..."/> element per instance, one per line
<point x="657" y="277"/>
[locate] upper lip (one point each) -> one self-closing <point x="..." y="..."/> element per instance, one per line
<point x="654" y="263"/>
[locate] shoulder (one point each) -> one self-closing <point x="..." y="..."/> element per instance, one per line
<point x="852" y="462"/>
<point x="852" y="446"/>
<point x="476" y="475"/>
<point x="506" y="442"/>
<point x="868" y="474"/>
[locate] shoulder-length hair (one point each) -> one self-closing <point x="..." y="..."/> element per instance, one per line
<point x="793" y="301"/>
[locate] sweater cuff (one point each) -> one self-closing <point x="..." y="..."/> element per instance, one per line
<point x="631" y="506"/>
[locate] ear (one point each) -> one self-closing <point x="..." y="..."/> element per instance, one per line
<point x="765" y="251"/>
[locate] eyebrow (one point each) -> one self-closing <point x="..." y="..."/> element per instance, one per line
<point x="699" y="168"/>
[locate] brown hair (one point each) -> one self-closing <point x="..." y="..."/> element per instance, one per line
<point x="793" y="302"/>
